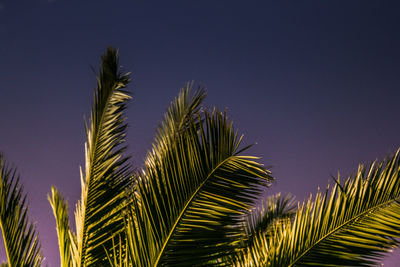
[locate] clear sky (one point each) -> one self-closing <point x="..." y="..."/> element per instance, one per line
<point x="314" y="83"/>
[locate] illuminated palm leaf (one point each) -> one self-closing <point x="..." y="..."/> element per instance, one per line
<point x="106" y="177"/>
<point x="194" y="190"/>
<point x="354" y="226"/>
<point x="19" y="235"/>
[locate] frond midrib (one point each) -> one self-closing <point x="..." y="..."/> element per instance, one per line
<point x="92" y="156"/>
<point x="341" y="226"/>
<point x="184" y="210"/>
<point x="101" y="122"/>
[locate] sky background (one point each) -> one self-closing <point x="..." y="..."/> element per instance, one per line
<point x="314" y="83"/>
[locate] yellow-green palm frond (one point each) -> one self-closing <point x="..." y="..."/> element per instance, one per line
<point x="194" y="189"/>
<point x="60" y="210"/>
<point x="19" y="235"/>
<point x="107" y="174"/>
<point x="353" y="226"/>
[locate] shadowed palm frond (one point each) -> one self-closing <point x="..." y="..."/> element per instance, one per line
<point x="355" y="226"/>
<point x="273" y="209"/>
<point x="107" y="175"/>
<point x="194" y="189"/>
<point x="118" y="256"/>
<point x="19" y="235"/>
<point x="261" y="221"/>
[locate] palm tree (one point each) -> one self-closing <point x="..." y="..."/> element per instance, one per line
<point x="196" y="201"/>
<point x="195" y="186"/>
<point x="191" y="199"/>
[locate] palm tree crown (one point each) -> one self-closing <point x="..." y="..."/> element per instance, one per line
<point x="196" y="201"/>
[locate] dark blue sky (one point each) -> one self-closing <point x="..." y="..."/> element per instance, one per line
<point x="314" y="83"/>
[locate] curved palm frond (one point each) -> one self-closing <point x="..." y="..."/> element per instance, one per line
<point x="261" y="221"/>
<point x="107" y="175"/>
<point x="194" y="189"/>
<point x="60" y="210"/>
<point x="19" y="235"/>
<point x="262" y="217"/>
<point x="354" y="226"/>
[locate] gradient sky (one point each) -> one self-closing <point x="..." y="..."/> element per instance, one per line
<point x="314" y="83"/>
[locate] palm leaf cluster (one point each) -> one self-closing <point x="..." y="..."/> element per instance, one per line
<point x="19" y="234"/>
<point x="353" y="226"/>
<point x="196" y="201"/>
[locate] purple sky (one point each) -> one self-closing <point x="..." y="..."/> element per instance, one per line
<point x="314" y="84"/>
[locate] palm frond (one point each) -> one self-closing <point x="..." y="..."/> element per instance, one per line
<point x="19" y="235"/>
<point x="355" y="226"/>
<point x="107" y="173"/>
<point x="194" y="189"/>
<point x="60" y="210"/>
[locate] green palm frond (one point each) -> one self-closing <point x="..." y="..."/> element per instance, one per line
<point x="194" y="189"/>
<point x="60" y="210"/>
<point x="354" y="226"/>
<point x="19" y="235"/>
<point x="107" y="175"/>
